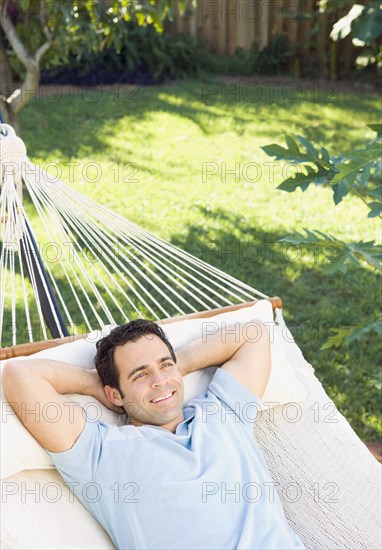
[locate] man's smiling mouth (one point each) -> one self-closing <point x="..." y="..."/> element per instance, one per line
<point x="163" y="397"/>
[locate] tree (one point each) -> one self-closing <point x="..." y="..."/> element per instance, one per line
<point x="364" y="24"/>
<point x="34" y="29"/>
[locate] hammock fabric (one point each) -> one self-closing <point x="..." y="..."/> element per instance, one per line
<point x="332" y="499"/>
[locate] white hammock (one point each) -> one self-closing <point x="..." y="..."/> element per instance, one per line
<point x="110" y="269"/>
<point x="338" y="500"/>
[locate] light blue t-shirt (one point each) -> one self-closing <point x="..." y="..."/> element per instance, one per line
<point x="205" y="487"/>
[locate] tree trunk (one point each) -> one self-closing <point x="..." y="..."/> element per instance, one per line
<point x="7" y="85"/>
<point x="6" y="80"/>
<point x="9" y="116"/>
<point x="11" y="99"/>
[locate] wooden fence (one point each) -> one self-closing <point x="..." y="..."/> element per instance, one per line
<point x="225" y="25"/>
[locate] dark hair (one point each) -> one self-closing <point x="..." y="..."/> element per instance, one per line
<point x="129" y="332"/>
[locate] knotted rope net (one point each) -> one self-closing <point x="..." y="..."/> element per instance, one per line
<point x="99" y="267"/>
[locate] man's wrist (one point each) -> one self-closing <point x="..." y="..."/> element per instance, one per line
<point x="89" y="383"/>
<point x="182" y="362"/>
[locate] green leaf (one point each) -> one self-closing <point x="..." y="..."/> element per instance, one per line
<point x="325" y="155"/>
<point x="368" y="26"/>
<point x="292" y="144"/>
<point x="376" y="193"/>
<point x="337" y="339"/>
<point x="339" y="255"/>
<point x="375" y="209"/>
<point x="304" y="179"/>
<point x="323" y="169"/>
<point x="354" y="169"/>
<point x="295" y="154"/>
<point x="340" y="190"/>
<point x="308" y="146"/>
<point x="342" y="28"/>
<point x="368" y="252"/>
<point x="346" y="335"/>
<point x="280" y="153"/>
<point x="346" y="173"/>
<point x="363" y="177"/>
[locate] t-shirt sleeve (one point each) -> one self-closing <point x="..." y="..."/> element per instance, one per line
<point x="235" y="396"/>
<point x="78" y="464"/>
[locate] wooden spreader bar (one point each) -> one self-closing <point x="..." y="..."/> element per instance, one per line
<point x="33" y="347"/>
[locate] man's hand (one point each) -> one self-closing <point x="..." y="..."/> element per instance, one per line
<point x="181" y="361"/>
<point x="96" y="389"/>
<point x="215" y="347"/>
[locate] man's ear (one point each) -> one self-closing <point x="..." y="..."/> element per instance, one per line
<point x="113" y="395"/>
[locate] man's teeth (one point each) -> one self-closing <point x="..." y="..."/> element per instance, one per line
<point x="161" y="398"/>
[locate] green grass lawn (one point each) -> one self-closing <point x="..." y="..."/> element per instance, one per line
<point x="169" y="136"/>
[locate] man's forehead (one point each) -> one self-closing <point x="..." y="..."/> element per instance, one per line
<point x="147" y="349"/>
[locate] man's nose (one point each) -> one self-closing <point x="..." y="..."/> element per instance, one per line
<point x="158" y="379"/>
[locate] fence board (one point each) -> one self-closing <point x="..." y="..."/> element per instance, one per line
<point x="291" y="12"/>
<point x="263" y="24"/>
<point x="219" y="24"/>
<point x="192" y="19"/>
<point x="232" y="17"/>
<point x="305" y="26"/>
<point x="225" y="25"/>
<point x="278" y="18"/>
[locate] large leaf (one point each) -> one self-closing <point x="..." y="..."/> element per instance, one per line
<point x="363" y="22"/>
<point x="321" y="172"/>
<point x="340" y="255"/>
<point x="297" y="155"/>
<point x="304" y="179"/>
<point x="275" y="150"/>
<point x="346" y="335"/>
<point x="355" y="171"/>
<point x="368" y="26"/>
<point x="342" y="28"/>
<point x="340" y="190"/>
<point x="375" y="209"/>
<point x="346" y="173"/>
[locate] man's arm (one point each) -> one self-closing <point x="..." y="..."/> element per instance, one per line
<point x="242" y="349"/>
<point x="36" y="390"/>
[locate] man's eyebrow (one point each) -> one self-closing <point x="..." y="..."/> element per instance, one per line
<point x="143" y="367"/>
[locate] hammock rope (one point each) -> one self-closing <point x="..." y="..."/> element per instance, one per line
<point x="107" y="269"/>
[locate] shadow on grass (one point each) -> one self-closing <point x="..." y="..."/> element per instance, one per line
<point x="75" y="122"/>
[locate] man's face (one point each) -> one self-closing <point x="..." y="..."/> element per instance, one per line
<point x="147" y="373"/>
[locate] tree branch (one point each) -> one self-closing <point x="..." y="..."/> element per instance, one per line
<point x="14" y="40"/>
<point x="28" y="90"/>
<point x="6" y="79"/>
<point x="41" y="51"/>
<point x="43" y="22"/>
<point x="31" y="63"/>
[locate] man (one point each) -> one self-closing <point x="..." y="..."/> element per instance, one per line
<point x="179" y="478"/>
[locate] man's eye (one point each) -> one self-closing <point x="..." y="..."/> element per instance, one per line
<point x="167" y="364"/>
<point x="140" y="375"/>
